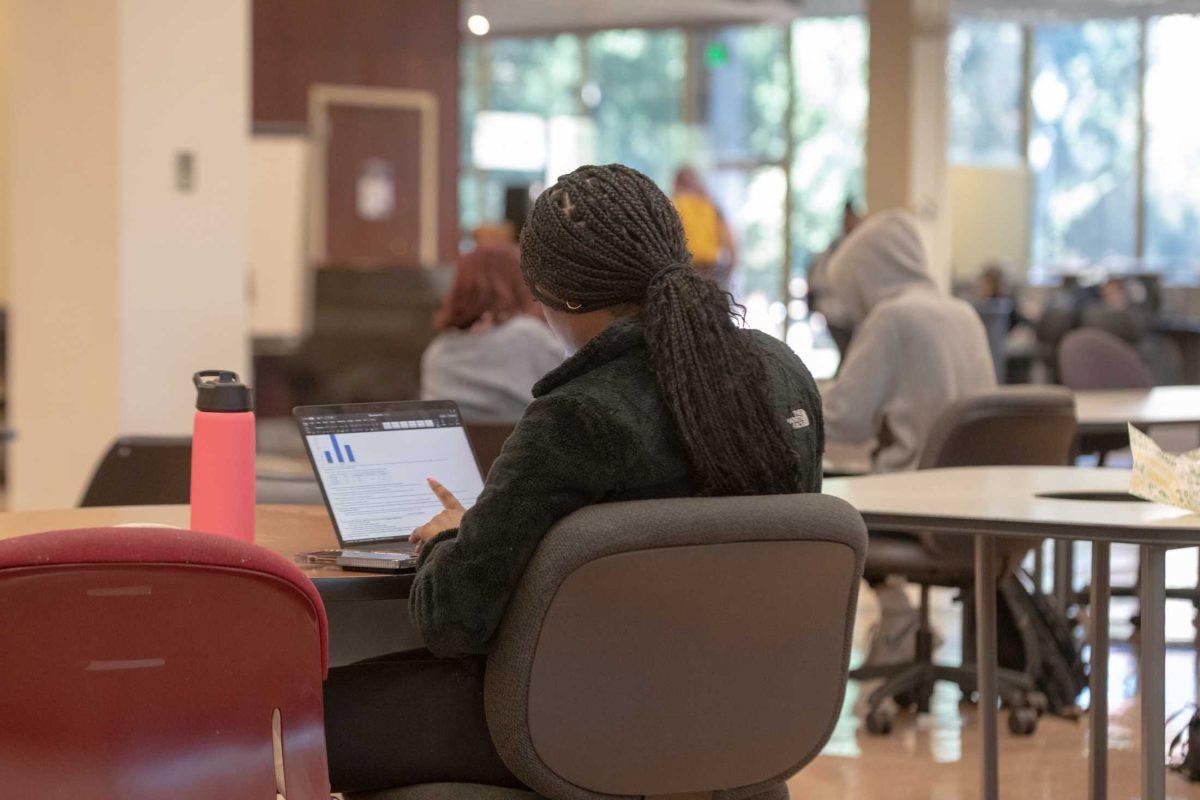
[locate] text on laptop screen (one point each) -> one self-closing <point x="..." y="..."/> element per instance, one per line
<point x="373" y="467"/>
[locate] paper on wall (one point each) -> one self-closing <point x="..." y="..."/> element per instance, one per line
<point x="1164" y="477"/>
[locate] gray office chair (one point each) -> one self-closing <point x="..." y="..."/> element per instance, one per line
<point x="1093" y="359"/>
<point x="1090" y="358"/>
<point x="656" y="648"/>
<point x="1007" y="426"/>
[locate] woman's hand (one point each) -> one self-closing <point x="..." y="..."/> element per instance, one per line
<point x="449" y="517"/>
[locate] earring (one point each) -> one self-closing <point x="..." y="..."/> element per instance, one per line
<point x="574" y="306"/>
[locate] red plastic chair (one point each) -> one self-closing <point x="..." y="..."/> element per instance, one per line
<point x="151" y="664"/>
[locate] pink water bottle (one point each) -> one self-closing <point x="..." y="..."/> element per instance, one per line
<point x="223" y="456"/>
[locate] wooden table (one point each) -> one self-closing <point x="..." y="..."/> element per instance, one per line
<point x="286" y="530"/>
<point x="986" y="502"/>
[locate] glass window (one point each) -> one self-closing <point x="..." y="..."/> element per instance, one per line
<point x="469" y="212"/>
<point x="830" y="127"/>
<point x="540" y="76"/>
<point x="983" y="70"/>
<point x="510" y="88"/>
<point x="634" y="90"/>
<point x="745" y="113"/>
<point x="1172" y="210"/>
<point x="753" y="199"/>
<point x="740" y="110"/>
<point x="1083" y="145"/>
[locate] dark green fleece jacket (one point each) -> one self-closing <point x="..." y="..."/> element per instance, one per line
<point x="597" y="431"/>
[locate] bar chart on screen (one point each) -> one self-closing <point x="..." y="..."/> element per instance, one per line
<point x="342" y="452"/>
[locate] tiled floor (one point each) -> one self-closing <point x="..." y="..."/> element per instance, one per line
<point x="937" y="756"/>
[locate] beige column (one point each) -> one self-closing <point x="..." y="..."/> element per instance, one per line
<point x="125" y="274"/>
<point x="906" y="118"/>
<point x="5" y="169"/>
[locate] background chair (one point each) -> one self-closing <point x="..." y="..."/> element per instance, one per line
<point x="487" y="441"/>
<point x="695" y="646"/>
<point x="1093" y="359"/>
<point x="143" y="664"/>
<point x="157" y="471"/>
<point x="1090" y="358"/>
<point x="142" y="471"/>
<point x="1008" y="426"/>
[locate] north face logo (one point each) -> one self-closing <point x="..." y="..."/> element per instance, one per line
<point x="798" y="419"/>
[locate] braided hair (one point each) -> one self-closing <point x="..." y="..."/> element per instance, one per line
<point x="608" y="236"/>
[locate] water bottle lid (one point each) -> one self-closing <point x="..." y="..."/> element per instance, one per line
<point x="222" y="390"/>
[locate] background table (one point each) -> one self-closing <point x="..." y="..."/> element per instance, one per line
<point x="1103" y="415"/>
<point x="368" y="612"/>
<point x="986" y="502"/>
<point x="1108" y="411"/>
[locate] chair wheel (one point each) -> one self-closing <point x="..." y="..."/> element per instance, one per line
<point x="879" y="722"/>
<point x="1022" y="721"/>
<point x="1038" y="702"/>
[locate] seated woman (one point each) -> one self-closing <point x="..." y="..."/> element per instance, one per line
<point x="665" y="396"/>
<point x="493" y="342"/>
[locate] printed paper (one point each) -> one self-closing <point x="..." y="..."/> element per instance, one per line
<point x="1164" y="477"/>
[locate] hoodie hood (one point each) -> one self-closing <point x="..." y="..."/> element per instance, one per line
<point x="881" y="258"/>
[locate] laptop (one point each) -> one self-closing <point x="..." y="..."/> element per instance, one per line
<point x="371" y="461"/>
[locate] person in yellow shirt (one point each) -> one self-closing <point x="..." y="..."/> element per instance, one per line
<point x="709" y="238"/>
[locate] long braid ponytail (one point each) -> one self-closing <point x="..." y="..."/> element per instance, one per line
<point x="605" y="236"/>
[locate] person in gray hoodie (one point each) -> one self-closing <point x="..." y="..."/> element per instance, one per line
<point x="915" y="350"/>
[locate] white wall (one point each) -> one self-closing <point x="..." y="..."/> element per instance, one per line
<point x="184" y="69"/>
<point x="277" y="212"/>
<point x="120" y="285"/>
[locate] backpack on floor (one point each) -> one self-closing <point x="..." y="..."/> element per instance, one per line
<point x="1033" y="636"/>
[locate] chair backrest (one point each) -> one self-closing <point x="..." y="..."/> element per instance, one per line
<point x="1090" y="358"/>
<point x="142" y="663"/>
<point x="692" y="645"/>
<point x="487" y="441"/>
<point x="1005" y="426"/>
<point x="142" y="471"/>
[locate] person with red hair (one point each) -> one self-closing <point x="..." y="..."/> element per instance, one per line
<point x="493" y="343"/>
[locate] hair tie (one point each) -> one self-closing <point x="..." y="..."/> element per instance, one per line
<point x="666" y="271"/>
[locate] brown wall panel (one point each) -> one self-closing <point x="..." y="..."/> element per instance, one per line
<point x="404" y="44"/>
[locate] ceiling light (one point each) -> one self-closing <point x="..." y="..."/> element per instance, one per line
<point x="478" y="24"/>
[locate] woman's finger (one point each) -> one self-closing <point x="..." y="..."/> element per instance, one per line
<point x="449" y="501"/>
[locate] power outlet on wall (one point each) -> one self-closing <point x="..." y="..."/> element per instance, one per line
<point x="185" y="170"/>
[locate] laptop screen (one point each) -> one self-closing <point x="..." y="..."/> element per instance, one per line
<point x="372" y="461"/>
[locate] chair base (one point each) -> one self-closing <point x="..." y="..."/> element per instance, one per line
<point x="911" y="684"/>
